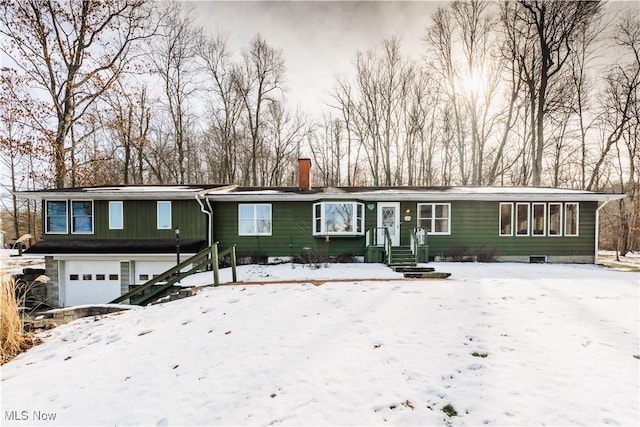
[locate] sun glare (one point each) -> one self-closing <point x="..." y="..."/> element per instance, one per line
<point x="473" y="84"/>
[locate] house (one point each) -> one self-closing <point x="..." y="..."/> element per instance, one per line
<point x="99" y="241"/>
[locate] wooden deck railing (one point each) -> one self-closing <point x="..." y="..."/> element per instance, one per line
<point x="207" y="259"/>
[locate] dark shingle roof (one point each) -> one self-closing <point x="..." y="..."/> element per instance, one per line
<point x="115" y="246"/>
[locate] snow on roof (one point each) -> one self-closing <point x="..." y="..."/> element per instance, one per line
<point x="121" y="192"/>
<point x="408" y="193"/>
<point x="235" y="193"/>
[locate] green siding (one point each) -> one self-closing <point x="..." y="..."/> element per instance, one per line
<point x="140" y="221"/>
<point x="474" y="225"/>
<point x="291" y="232"/>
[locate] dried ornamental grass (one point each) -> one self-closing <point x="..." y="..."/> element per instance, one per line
<point x="13" y="339"/>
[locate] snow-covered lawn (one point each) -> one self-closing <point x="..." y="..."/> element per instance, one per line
<point x="502" y="344"/>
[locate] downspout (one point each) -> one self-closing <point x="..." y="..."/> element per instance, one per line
<point x="595" y="258"/>
<point x="209" y="213"/>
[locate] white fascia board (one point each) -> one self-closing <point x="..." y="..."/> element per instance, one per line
<point x="119" y="257"/>
<point x="417" y="197"/>
<point x="104" y="194"/>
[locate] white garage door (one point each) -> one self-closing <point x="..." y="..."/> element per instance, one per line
<point x="147" y="270"/>
<point x="91" y="282"/>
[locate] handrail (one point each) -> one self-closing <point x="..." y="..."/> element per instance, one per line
<point x="387" y="244"/>
<point x="414" y="241"/>
<point x="205" y="258"/>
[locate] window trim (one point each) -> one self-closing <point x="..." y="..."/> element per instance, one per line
<point x="158" y="203"/>
<point x="533" y="219"/>
<point x="66" y="217"/>
<point x="121" y="204"/>
<point x="357" y="221"/>
<point x="433" y="218"/>
<point x="511" y="219"/>
<point x="577" y="205"/>
<point x="561" y="229"/>
<point x="517" y="225"/>
<point x="255" y="219"/>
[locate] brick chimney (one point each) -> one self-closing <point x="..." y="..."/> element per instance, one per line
<point x="304" y="174"/>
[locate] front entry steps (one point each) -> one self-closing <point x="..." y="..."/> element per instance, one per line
<point x="420" y="272"/>
<point x="403" y="260"/>
<point x="402" y="256"/>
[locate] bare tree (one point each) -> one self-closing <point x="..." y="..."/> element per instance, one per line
<point x="128" y="117"/>
<point x="555" y="25"/>
<point x="73" y="51"/>
<point x="283" y="135"/>
<point x="225" y="104"/>
<point x="259" y="82"/>
<point x="174" y="58"/>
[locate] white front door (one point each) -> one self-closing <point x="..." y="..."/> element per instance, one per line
<point x="389" y="217"/>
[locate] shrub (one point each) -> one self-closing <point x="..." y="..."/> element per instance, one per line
<point x="449" y="410"/>
<point x="486" y="254"/>
<point x="460" y="253"/>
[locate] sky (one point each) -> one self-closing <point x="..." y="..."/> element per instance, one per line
<point x="500" y="343"/>
<point x="319" y="39"/>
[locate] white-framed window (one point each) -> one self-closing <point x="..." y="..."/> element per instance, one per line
<point x="554" y="221"/>
<point x="56" y="217"/>
<point x="522" y="219"/>
<point x="164" y="215"/>
<point x="335" y="218"/>
<point x="571" y="219"/>
<point x="435" y="218"/>
<point x="506" y="219"/>
<point x="116" y="216"/>
<point x="82" y="216"/>
<point x="539" y="224"/>
<point x="254" y="219"/>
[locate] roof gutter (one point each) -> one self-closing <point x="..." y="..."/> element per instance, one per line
<point x="209" y="212"/>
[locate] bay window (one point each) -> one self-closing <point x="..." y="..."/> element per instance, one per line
<point x="335" y="218"/>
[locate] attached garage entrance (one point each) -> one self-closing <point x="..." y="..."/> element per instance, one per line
<point x="91" y="282"/>
<point x="147" y="270"/>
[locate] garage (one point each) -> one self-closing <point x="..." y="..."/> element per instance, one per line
<point x="90" y="282"/>
<point x="147" y="270"/>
